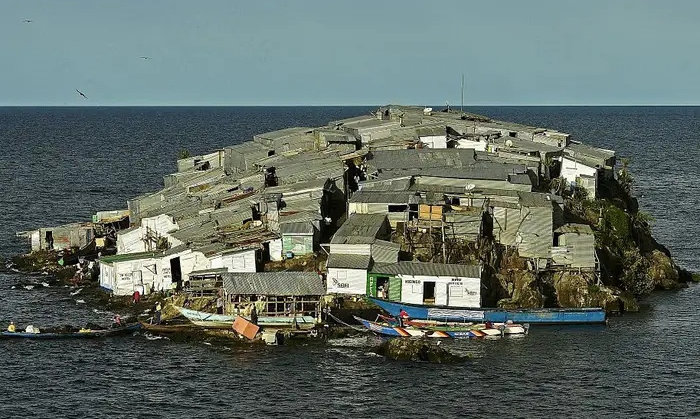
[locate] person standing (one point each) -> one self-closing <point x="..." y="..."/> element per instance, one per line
<point x="254" y="315"/>
<point x="11" y="328"/>
<point x="219" y="305"/>
<point x="156" y="316"/>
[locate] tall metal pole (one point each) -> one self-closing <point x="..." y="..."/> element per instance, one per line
<point x="461" y="108"/>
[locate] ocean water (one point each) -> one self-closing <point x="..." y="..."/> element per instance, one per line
<point x="62" y="164"/>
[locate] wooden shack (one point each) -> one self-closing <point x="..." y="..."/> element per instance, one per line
<point x="274" y="293"/>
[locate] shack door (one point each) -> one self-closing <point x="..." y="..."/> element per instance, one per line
<point x="395" y="288"/>
<point x="176" y="271"/>
<point x="429" y="292"/>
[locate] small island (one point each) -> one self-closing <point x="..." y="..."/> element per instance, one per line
<point x="405" y="204"/>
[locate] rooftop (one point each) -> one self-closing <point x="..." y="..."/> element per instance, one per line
<point x="274" y="283"/>
<point x="339" y="260"/>
<point x="427" y="269"/>
<point x="360" y="228"/>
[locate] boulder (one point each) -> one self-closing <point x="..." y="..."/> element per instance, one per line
<point x="421" y="349"/>
<point x="574" y="289"/>
<point x="662" y="271"/>
<point x="523" y="289"/>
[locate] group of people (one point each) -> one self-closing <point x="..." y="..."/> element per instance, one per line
<point x="29" y="329"/>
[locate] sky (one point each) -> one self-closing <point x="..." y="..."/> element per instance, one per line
<point x="320" y="52"/>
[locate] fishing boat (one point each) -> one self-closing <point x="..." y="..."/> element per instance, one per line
<point x="456" y="332"/>
<point x="496" y="315"/>
<point x="508" y="328"/>
<point x="223" y="321"/>
<point x="82" y="334"/>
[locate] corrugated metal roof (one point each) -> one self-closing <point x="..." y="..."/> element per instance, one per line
<point x="385" y="252"/>
<point x="427" y="269"/>
<point x="589" y="155"/>
<point x="421" y="158"/>
<point x="384" y="197"/>
<point x="274" y="283"/>
<point x="213" y="271"/>
<point x="535" y="199"/>
<point x="302" y="228"/>
<point x="360" y="228"/>
<point x="339" y="260"/>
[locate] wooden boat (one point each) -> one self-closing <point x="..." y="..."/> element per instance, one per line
<point x="495" y="315"/>
<point x="223" y="321"/>
<point x="170" y="328"/>
<point x="508" y="328"/>
<point x="462" y="332"/>
<point x="88" y="333"/>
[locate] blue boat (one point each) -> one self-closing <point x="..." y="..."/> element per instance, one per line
<point x="117" y="331"/>
<point x="591" y="315"/>
<point x="465" y="331"/>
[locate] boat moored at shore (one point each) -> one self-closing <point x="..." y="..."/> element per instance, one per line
<point x="496" y="315"/>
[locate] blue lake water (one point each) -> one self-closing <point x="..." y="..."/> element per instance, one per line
<point x="62" y="164"/>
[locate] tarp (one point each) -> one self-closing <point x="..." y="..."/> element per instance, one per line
<point x="245" y="328"/>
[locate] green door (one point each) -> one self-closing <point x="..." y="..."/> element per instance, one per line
<point x="372" y="285"/>
<point x="394" y="288"/>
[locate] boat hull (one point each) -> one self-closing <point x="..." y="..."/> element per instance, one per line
<point x="495" y="315"/>
<point x="74" y="335"/>
<point x="456" y="333"/>
<point x="223" y="321"/>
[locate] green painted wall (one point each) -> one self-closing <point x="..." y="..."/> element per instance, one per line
<point x="394" y="286"/>
<point x="299" y="245"/>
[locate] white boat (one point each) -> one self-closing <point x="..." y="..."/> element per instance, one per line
<point x="225" y="321"/>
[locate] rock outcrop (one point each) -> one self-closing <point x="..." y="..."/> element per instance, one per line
<point x="409" y="349"/>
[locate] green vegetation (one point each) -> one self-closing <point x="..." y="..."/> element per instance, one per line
<point x="183" y="154"/>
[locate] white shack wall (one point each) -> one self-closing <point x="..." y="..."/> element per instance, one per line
<point x="434" y="141"/>
<point x="276" y="250"/>
<point x="351" y="249"/>
<point x="449" y="291"/>
<point x="571" y="169"/>
<point x="131" y="242"/>
<point x="347" y="281"/>
<point x="235" y="262"/>
<point x="189" y="261"/>
<point x="125" y="277"/>
<point x="475" y="145"/>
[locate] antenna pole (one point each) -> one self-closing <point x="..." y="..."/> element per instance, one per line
<point x="461" y="108"/>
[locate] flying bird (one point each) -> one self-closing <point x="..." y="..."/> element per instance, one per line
<point x="27" y="21"/>
<point x="145" y="58"/>
<point x="81" y="93"/>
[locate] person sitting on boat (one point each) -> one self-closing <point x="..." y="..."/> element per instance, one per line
<point x="117" y="321"/>
<point x="11" y="328"/>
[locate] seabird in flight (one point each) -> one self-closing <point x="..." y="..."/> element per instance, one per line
<point x="27" y="21"/>
<point x="81" y="93"/>
<point x="145" y="58"/>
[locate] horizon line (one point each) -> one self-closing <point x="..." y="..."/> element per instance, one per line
<point x="348" y="105"/>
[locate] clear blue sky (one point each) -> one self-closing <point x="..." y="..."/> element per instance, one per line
<point x="358" y="52"/>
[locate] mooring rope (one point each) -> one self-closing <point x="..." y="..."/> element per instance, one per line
<point x="355" y="328"/>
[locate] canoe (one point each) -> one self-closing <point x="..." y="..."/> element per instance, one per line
<point x="169" y="328"/>
<point x="223" y="321"/>
<point x="508" y="328"/>
<point x="473" y="331"/>
<point x="117" y="331"/>
<point x="495" y="315"/>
